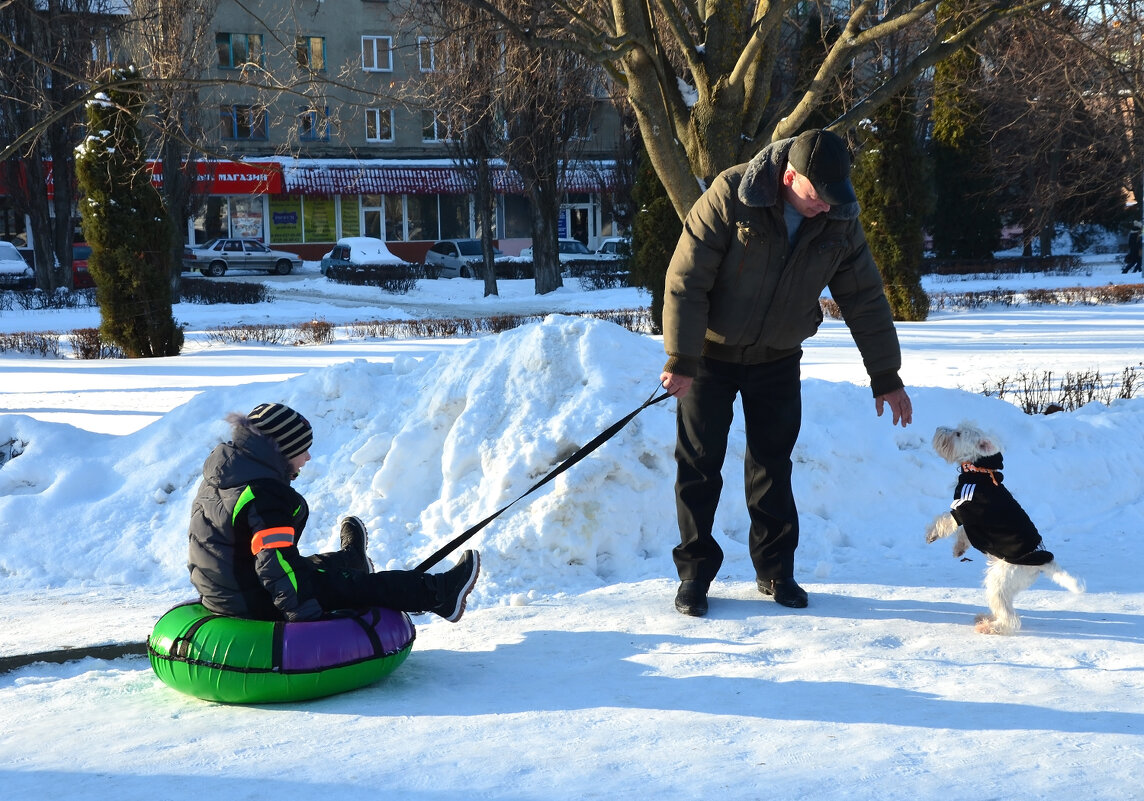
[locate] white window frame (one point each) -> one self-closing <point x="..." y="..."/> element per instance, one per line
<point x="369" y="45"/>
<point x="377" y="114"/>
<point x="425" y="44"/>
<point x="440" y="126"/>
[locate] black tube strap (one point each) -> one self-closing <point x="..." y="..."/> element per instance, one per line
<point x="599" y="440"/>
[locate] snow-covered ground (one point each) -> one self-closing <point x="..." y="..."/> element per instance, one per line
<point x="572" y="676"/>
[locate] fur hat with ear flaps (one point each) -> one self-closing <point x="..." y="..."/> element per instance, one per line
<point x="290" y="430"/>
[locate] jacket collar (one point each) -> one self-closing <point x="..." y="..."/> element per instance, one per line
<point x="764" y="175"/>
<point x="990" y="465"/>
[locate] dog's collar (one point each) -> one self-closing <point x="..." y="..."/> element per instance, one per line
<point x="970" y="467"/>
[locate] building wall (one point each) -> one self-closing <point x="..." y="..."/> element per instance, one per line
<point x="341" y="25"/>
<point x="336" y="33"/>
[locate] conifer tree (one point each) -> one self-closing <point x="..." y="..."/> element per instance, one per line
<point x="966" y="223"/>
<point x="891" y="183"/>
<point x="125" y="223"/>
<point x="655" y="231"/>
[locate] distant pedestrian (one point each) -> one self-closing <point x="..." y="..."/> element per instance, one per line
<point x="1132" y="258"/>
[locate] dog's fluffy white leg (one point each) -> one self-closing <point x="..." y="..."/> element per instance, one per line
<point x="1003" y="582"/>
<point x="943" y="526"/>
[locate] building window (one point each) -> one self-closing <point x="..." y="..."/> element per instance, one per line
<point x="379" y="125"/>
<point x="106" y="51"/>
<point x="421" y="217"/>
<point x="425" y="53"/>
<point x="243" y="123"/>
<point x="236" y="50"/>
<point x="311" y="52"/>
<point x="580" y="124"/>
<point x="434" y="127"/>
<point x="314" y="124"/>
<point x="377" y="53"/>
<point x="454" y="216"/>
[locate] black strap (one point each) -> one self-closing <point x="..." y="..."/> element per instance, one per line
<point x="600" y="439"/>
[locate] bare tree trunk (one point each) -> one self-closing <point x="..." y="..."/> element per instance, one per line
<point x="545" y="197"/>
<point x="483" y="197"/>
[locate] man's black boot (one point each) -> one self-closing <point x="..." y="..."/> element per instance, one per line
<point x="785" y="592"/>
<point x="691" y="598"/>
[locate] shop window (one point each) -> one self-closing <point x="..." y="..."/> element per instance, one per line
<point x="350" y="219"/>
<point x="379" y="125"/>
<point x="311" y="52"/>
<point x="394" y="218"/>
<point x="454" y="212"/>
<point x="422" y="217"/>
<point x="377" y="53"/>
<point x="286" y="218"/>
<point x="237" y="50"/>
<point x="243" y="123"/>
<point x="314" y="125"/>
<point x="517" y="218"/>
<point x="246" y="217"/>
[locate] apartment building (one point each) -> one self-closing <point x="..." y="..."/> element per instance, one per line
<point x="313" y="137"/>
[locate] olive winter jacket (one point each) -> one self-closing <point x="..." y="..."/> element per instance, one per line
<point x="737" y="291"/>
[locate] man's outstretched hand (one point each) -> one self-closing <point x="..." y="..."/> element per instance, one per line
<point x="899" y="404"/>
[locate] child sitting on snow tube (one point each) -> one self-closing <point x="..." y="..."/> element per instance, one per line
<point x="246" y="522"/>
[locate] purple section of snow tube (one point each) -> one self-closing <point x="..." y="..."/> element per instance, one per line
<point x="340" y="641"/>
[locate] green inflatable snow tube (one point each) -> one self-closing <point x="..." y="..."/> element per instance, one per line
<point x="236" y="661"/>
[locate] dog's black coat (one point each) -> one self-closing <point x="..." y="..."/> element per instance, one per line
<point x="994" y="522"/>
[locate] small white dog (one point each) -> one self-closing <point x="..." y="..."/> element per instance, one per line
<point x="983" y="514"/>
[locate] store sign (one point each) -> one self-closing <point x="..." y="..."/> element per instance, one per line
<point x="218" y="177"/>
<point x="230" y="177"/>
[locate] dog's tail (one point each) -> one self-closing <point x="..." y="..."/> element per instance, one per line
<point x="1066" y="580"/>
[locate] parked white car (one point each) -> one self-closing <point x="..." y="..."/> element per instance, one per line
<point x="615" y="247"/>
<point x="14" y="271"/>
<point x="570" y="250"/>
<point x="358" y="251"/>
<point x="460" y="258"/>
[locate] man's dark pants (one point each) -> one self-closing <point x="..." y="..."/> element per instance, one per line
<point x="772" y="414"/>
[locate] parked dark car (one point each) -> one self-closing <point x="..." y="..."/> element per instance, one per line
<point x="81" y="278"/>
<point x="219" y="255"/>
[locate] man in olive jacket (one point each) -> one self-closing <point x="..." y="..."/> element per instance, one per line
<point x="742" y="294"/>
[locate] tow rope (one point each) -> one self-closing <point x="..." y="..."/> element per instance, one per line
<point x="599" y="440"/>
<point x="117" y="650"/>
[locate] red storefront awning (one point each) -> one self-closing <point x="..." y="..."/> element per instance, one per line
<point x="320" y="179"/>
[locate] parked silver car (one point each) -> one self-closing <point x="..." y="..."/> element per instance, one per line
<point x="459" y="258"/>
<point x="219" y="255"/>
<point x="571" y="250"/>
